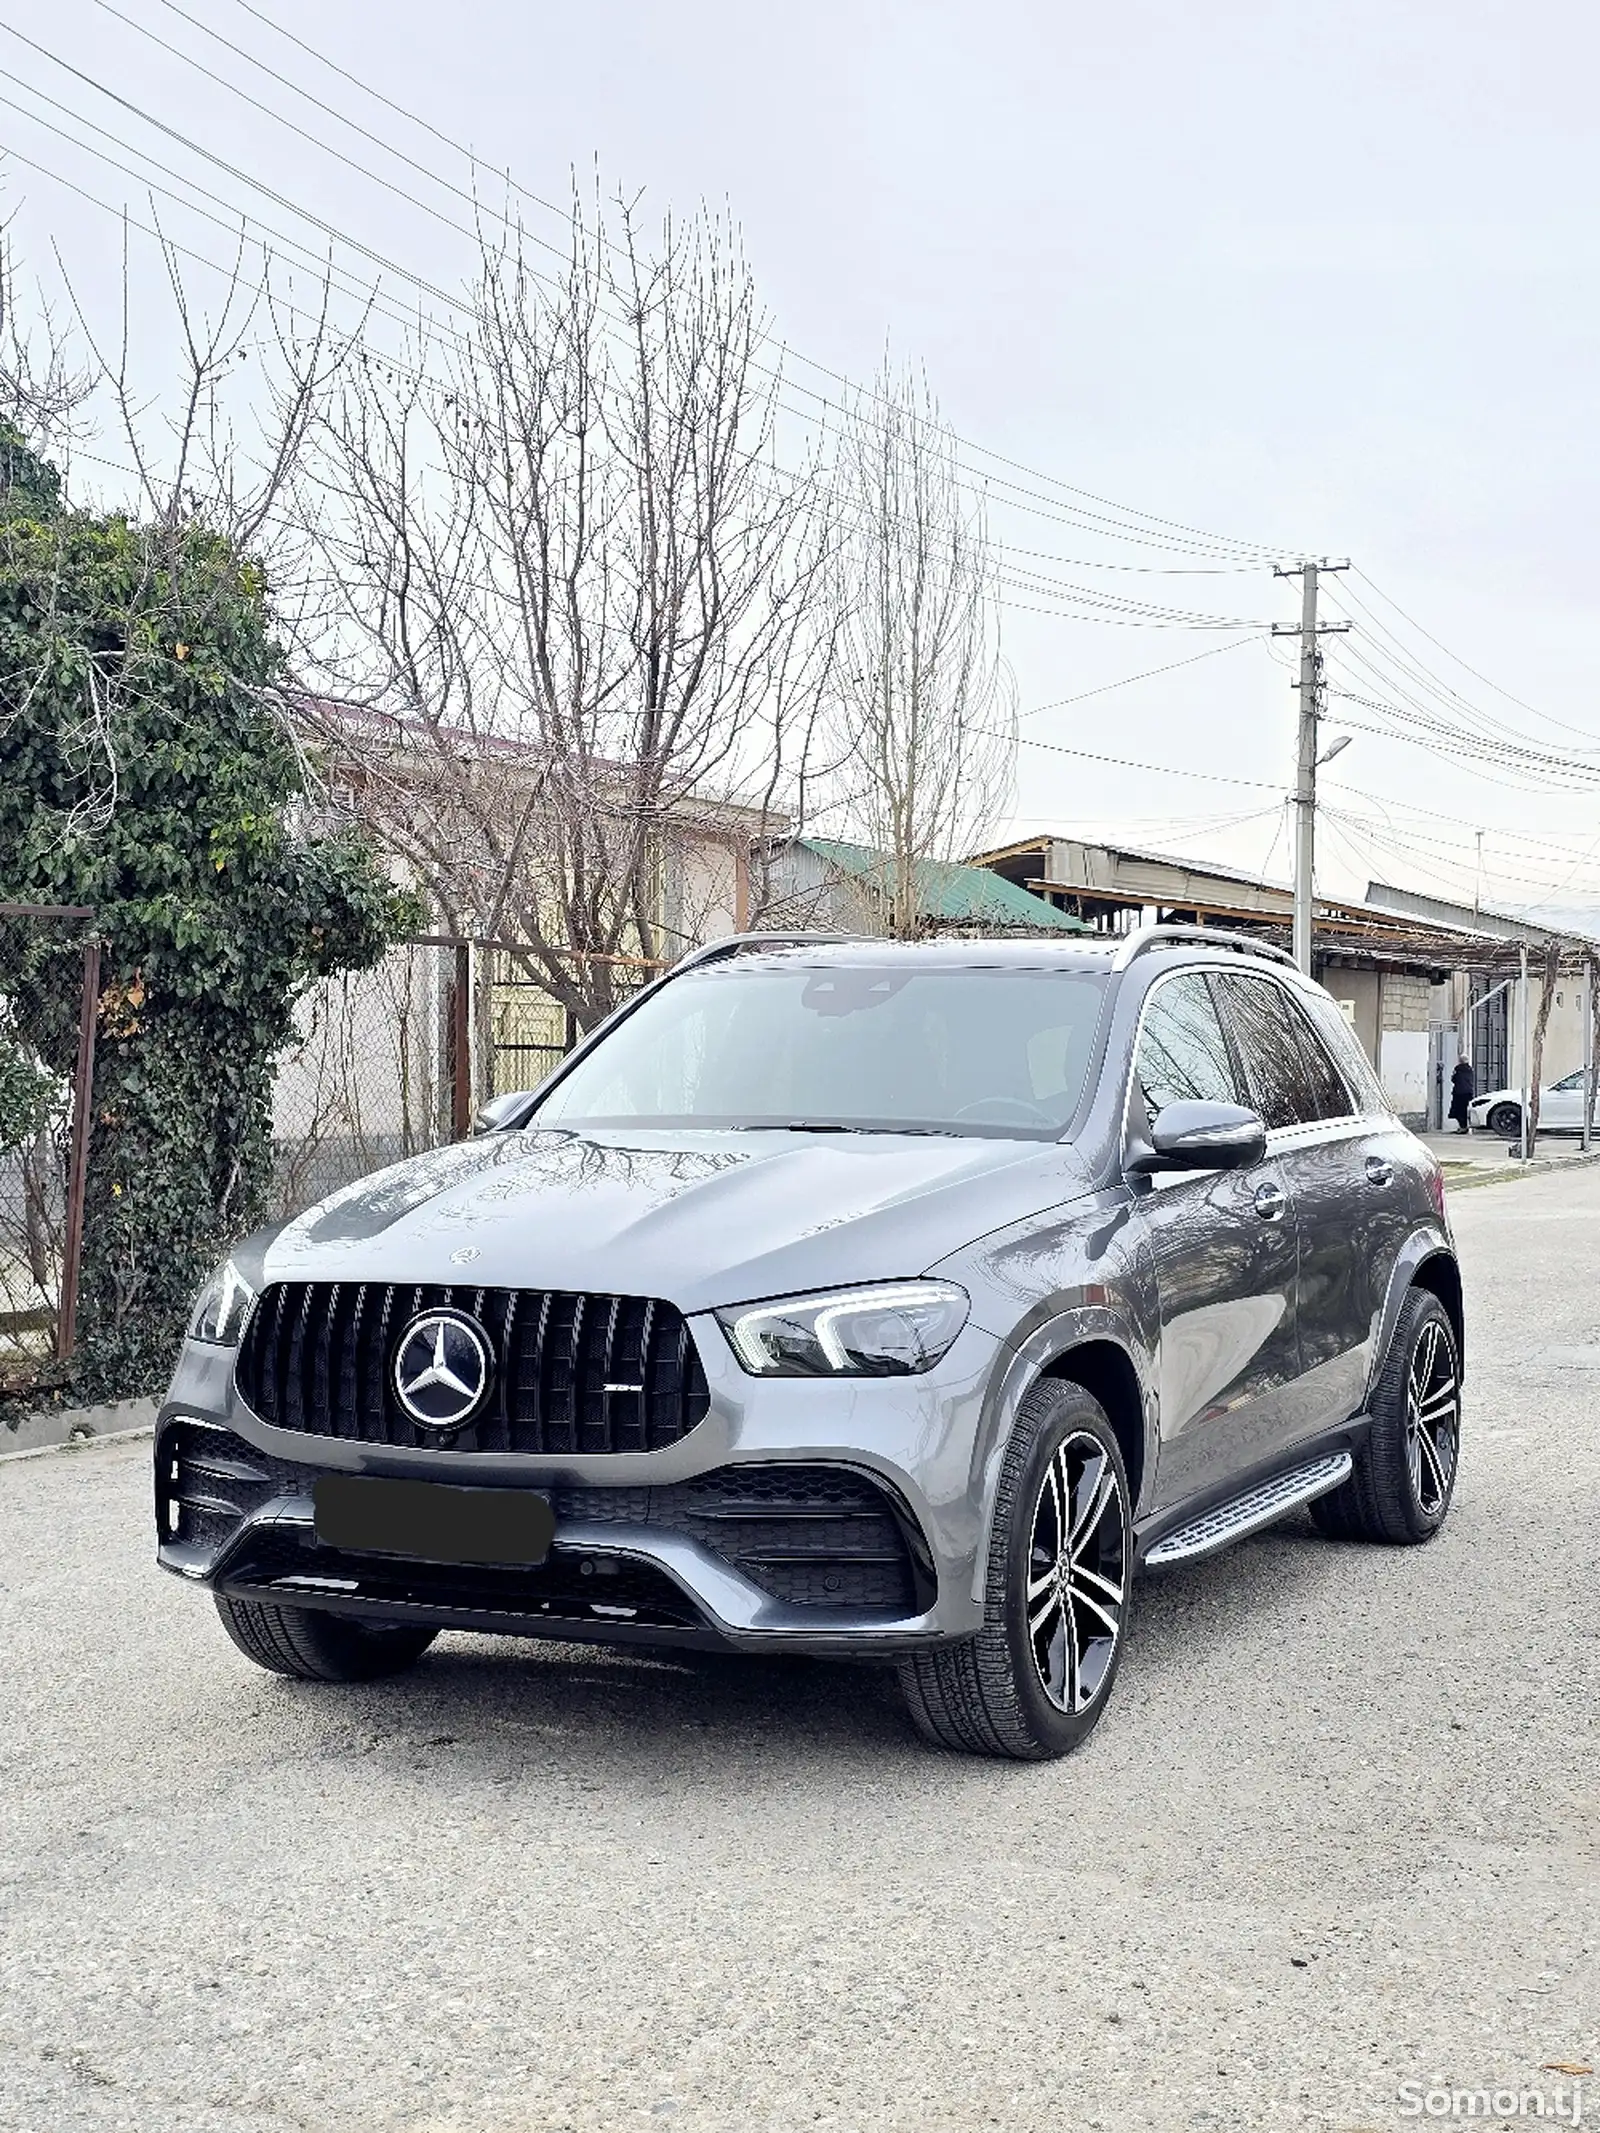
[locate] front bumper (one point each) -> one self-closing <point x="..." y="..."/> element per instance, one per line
<point x="803" y="1515"/>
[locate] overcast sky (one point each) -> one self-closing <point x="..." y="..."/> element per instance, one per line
<point x="1320" y="280"/>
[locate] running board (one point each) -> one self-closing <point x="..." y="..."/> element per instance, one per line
<point x="1257" y="1507"/>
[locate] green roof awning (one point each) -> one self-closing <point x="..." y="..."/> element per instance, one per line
<point x="947" y="892"/>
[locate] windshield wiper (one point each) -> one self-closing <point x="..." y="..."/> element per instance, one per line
<point x="834" y="1125"/>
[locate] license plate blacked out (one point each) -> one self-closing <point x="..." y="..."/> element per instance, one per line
<point x="433" y="1520"/>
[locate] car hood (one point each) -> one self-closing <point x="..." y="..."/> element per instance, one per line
<point x="697" y="1218"/>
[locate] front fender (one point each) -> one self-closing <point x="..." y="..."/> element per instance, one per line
<point x="1020" y="1368"/>
<point x="1428" y="1241"/>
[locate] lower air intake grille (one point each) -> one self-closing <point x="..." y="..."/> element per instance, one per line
<point x="207" y="1479"/>
<point x="573" y="1373"/>
<point x="813" y="1536"/>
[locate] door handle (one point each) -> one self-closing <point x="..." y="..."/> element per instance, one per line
<point x="1379" y="1170"/>
<point x="1271" y="1200"/>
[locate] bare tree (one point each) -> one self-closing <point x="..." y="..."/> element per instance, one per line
<point x="570" y="617"/>
<point x="1549" y="978"/>
<point x="924" y="705"/>
<point x="42" y="389"/>
<point x="254" y="360"/>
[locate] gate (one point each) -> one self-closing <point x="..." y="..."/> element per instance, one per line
<point x="1488" y="1018"/>
<point x="391" y="1062"/>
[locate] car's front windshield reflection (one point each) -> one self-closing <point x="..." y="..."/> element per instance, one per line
<point x="851" y="1047"/>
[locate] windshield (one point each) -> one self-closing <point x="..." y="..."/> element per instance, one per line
<point x="855" y="1047"/>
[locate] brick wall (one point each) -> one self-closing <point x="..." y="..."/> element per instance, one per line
<point x="1405" y="1002"/>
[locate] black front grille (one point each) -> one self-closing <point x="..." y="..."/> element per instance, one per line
<point x="574" y="1373"/>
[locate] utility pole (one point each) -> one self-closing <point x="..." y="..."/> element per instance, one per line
<point x="1309" y="686"/>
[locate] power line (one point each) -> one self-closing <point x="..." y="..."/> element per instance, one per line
<point x="1531" y="709"/>
<point x="1434" y="687"/>
<point x="1129" y="524"/>
<point x="1077" y="603"/>
<point x="1164" y="770"/>
<point x="1249" y="548"/>
<point x="1211" y="651"/>
<point x="328" y="229"/>
<point x="368" y="298"/>
<point x="1527" y="839"/>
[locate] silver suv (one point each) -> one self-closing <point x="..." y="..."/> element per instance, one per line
<point x="841" y="1297"/>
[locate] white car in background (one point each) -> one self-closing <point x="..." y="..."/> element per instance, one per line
<point x="1560" y="1108"/>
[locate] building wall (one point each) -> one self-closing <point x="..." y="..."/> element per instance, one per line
<point x="705" y="902"/>
<point x="1392" y="1014"/>
<point x="1356" y="992"/>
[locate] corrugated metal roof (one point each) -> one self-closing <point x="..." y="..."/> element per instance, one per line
<point x="948" y="892"/>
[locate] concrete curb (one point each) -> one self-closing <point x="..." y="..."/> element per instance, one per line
<point x="1504" y="1174"/>
<point x="68" y="1428"/>
<point x="78" y="1444"/>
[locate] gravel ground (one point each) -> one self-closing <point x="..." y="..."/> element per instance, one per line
<point x="1338" y="1833"/>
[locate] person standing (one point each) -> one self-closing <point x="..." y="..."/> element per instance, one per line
<point x="1463" y="1087"/>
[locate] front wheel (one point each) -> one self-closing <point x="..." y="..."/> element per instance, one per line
<point x="1405" y="1473"/>
<point x="1506" y="1120"/>
<point x="1036" y="1677"/>
<point x="311" y="1645"/>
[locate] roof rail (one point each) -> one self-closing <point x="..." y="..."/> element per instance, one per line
<point x="1146" y="937"/>
<point x="737" y="943"/>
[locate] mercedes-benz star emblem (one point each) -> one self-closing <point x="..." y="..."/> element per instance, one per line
<point x="442" y="1367"/>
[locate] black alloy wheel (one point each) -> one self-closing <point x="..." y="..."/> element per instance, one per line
<point x="1033" y="1682"/>
<point x="1405" y="1472"/>
<point x="1433" y="1417"/>
<point x="1506" y="1120"/>
<point x="1078" y="1579"/>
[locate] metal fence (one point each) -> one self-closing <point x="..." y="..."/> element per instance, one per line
<point x="393" y="1061"/>
<point x="49" y="991"/>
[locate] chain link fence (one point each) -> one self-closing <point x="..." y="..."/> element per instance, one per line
<point x="393" y="1061"/>
<point x="49" y="988"/>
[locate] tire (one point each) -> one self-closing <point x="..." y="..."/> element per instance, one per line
<point x="310" y="1645"/>
<point x="1031" y="1693"/>
<point x="1405" y="1473"/>
<point x="1506" y="1120"/>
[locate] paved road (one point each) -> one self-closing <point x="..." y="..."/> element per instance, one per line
<point x="1338" y="1833"/>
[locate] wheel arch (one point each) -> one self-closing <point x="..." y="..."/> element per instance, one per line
<point x="1106" y="1371"/>
<point x="1426" y="1261"/>
<point x="1093" y="1346"/>
<point x="1441" y="1275"/>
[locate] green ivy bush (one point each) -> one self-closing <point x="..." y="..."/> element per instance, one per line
<point x="148" y="653"/>
<point x="26" y="1094"/>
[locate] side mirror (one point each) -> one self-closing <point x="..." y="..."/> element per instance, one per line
<point x="1190" y="1136"/>
<point x="501" y="1112"/>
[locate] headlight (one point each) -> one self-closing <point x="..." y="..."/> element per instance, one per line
<point x="889" y="1332"/>
<point x="223" y="1305"/>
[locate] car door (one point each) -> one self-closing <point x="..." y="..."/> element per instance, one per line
<point x="1351" y="1170"/>
<point x="1225" y="1252"/>
<point x="1561" y="1105"/>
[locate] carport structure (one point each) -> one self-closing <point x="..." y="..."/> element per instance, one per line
<point x="1420" y="980"/>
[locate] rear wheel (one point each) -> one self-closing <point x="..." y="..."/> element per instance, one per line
<point x="1506" y="1120"/>
<point x="310" y="1645"/>
<point x="1033" y="1682"/>
<point x="1405" y="1473"/>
